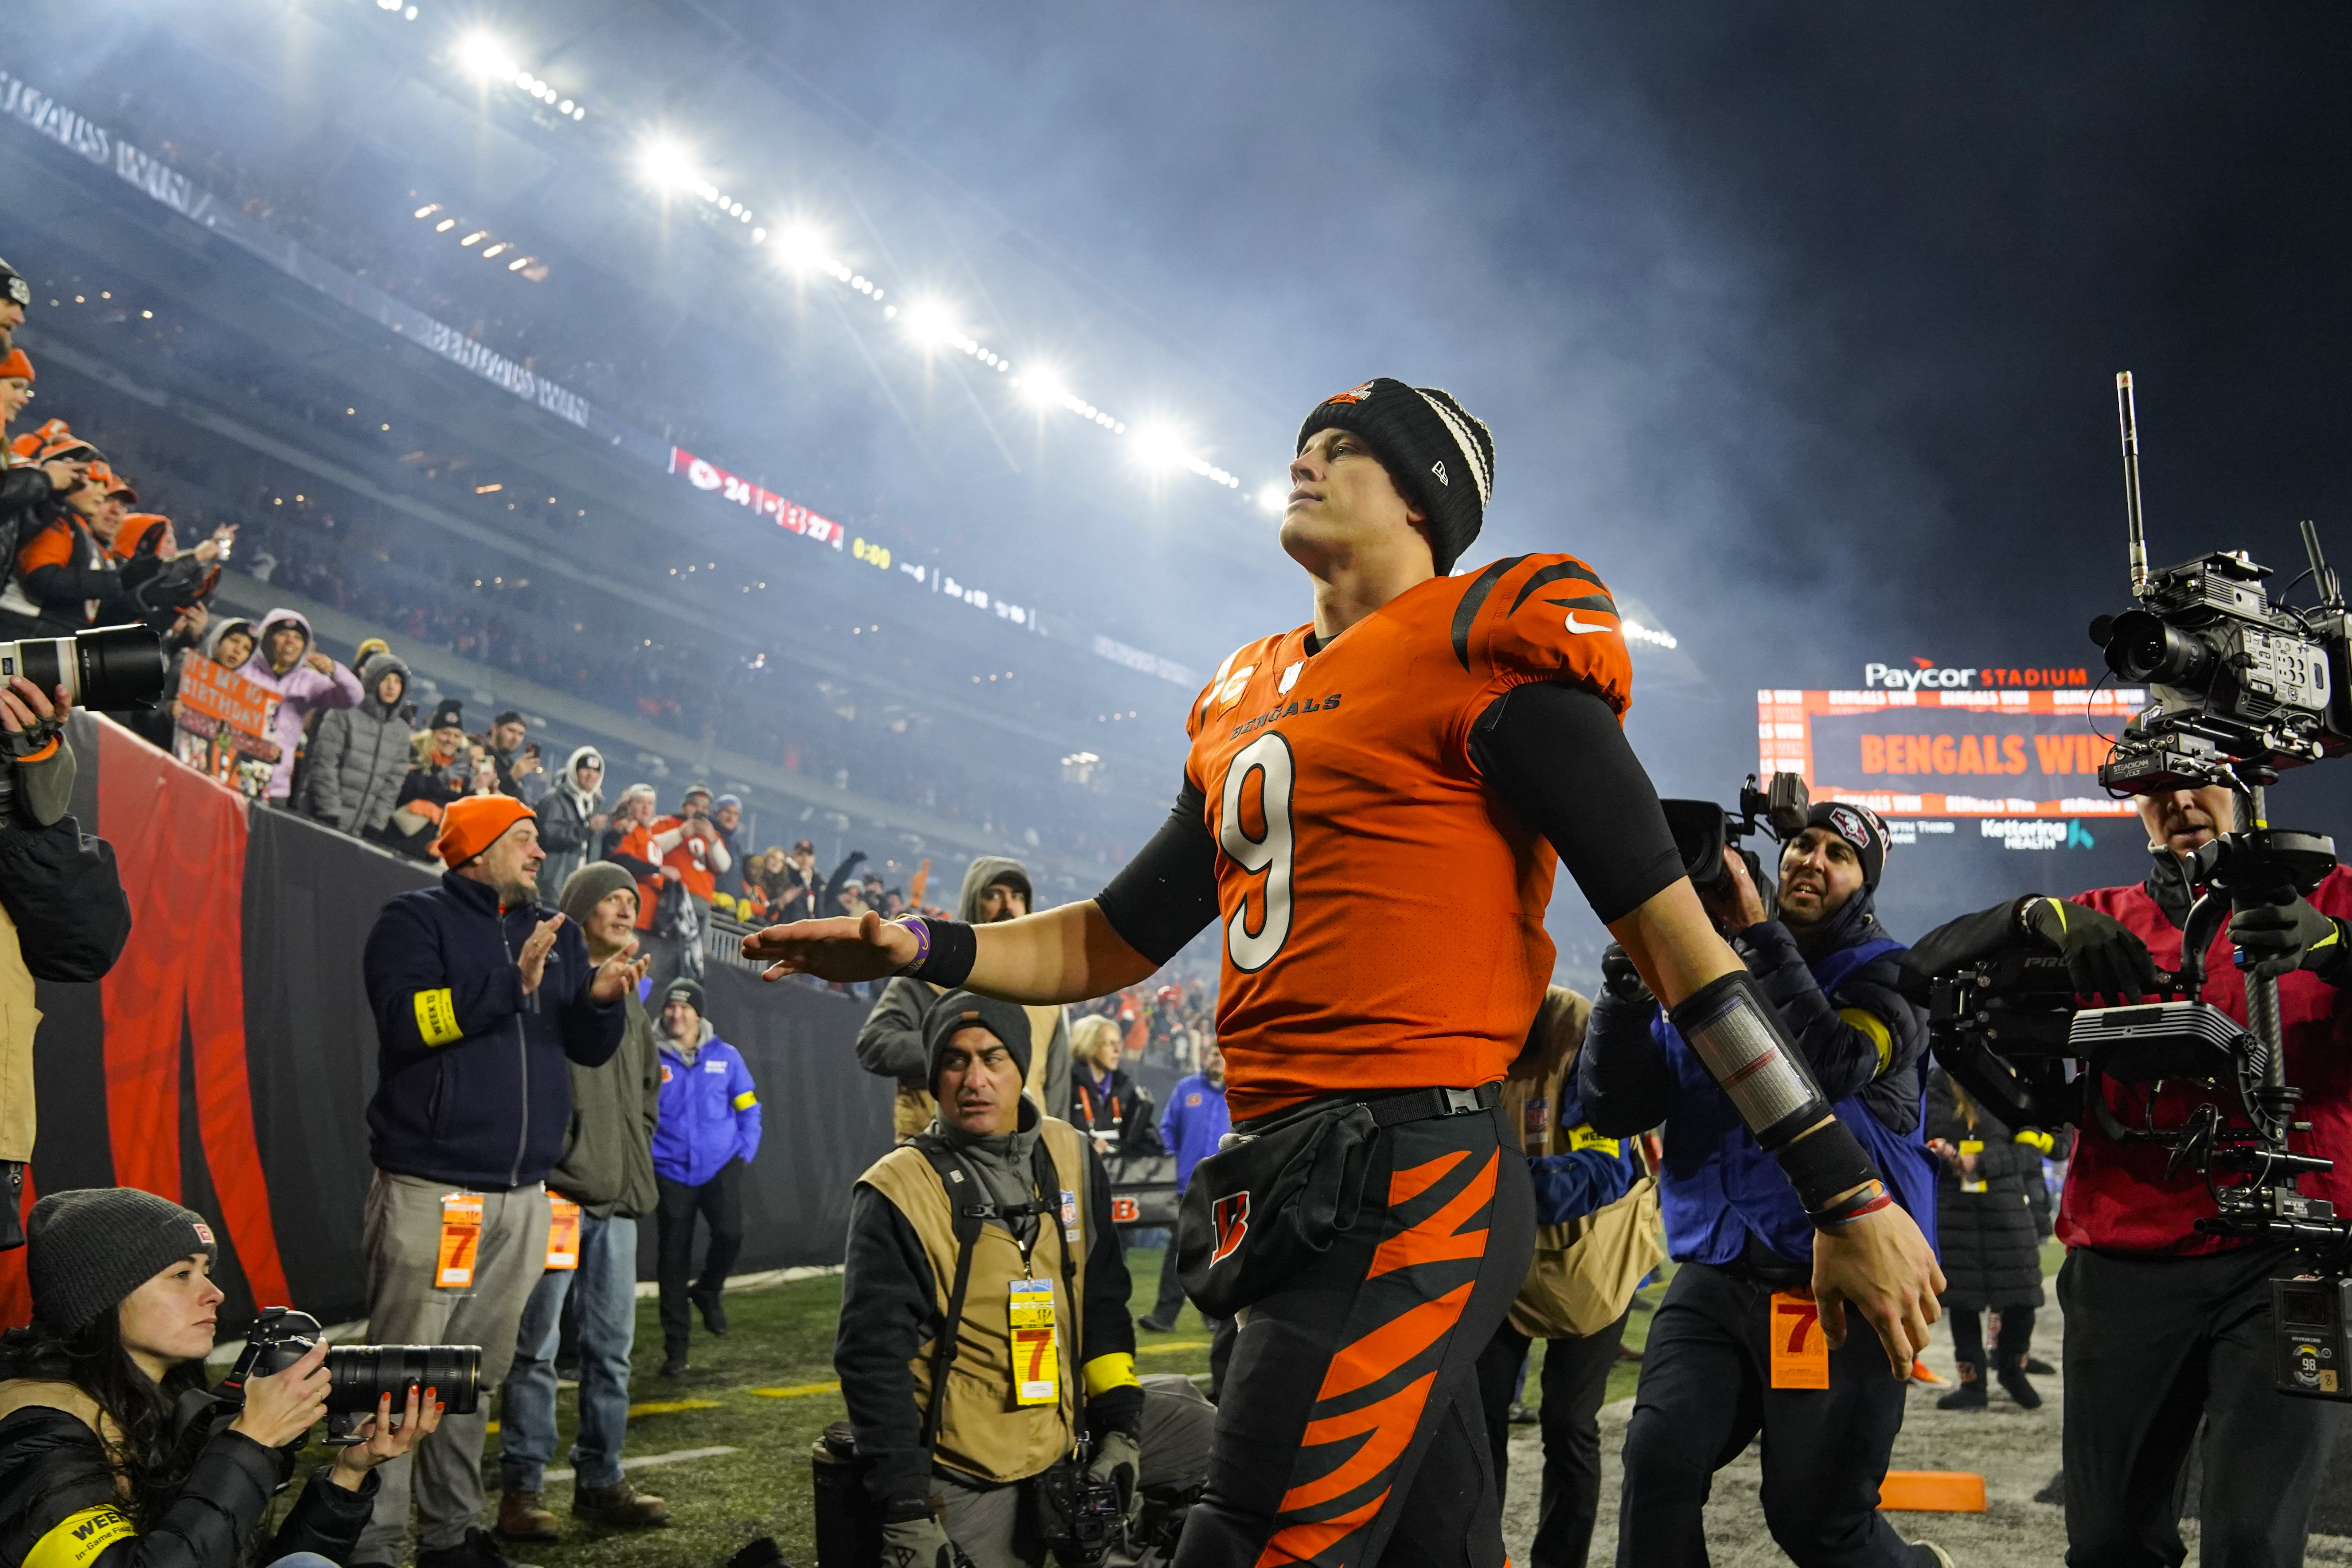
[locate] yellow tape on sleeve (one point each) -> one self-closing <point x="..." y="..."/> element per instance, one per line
<point x="1106" y="1373"/>
<point x="78" y="1538"/>
<point x="745" y="1101"/>
<point x="1872" y="1025"/>
<point x="437" y="1017"/>
<point x="2032" y="1139"/>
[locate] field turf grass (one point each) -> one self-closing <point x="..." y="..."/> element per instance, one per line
<point x="766" y="1391"/>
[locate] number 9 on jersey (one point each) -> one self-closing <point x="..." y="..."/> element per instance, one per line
<point x="1269" y="757"/>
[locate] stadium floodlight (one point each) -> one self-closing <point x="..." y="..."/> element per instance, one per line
<point x="802" y="247"/>
<point x="484" y="56"/>
<point x="928" y="320"/>
<point x="669" y="162"/>
<point x="1042" y="388"/>
<point x="1158" y="447"/>
<point x="1273" y="499"/>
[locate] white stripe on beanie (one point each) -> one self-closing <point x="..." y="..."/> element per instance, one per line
<point x="1464" y="439"/>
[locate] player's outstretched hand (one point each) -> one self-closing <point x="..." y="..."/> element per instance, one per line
<point x="1882" y="1267"/>
<point x="840" y="949"/>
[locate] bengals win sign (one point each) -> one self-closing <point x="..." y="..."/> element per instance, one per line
<point x="2001" y="752"/>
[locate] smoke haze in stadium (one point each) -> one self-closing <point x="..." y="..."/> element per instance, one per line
<point x="1799" y="323"/>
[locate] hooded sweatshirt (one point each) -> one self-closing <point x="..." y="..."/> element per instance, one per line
<point x="563" y="814"/>
<point x="890" y="1042"/>
<point x="359" y="755"/>
<point x="709" y="1111"/>
<point x="299" y="691"/>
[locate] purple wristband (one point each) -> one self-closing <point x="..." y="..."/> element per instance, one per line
<point x="922" y="930"/>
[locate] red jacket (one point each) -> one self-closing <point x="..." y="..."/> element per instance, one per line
<point x="2116" y="1197"/>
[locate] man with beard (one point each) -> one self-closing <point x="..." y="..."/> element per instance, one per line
<point x="481" y="1000"/>
<point x="1714" y="1372"/>
<point x="890" y="1045"/>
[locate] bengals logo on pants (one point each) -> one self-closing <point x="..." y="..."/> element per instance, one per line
<point x="1231" y="1216"/>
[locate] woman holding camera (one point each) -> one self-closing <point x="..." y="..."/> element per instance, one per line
<point x="110" y="1452"/>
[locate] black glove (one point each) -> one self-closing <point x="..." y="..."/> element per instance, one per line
<point x="2102" y="955"/>
<point x="2279" y="939"/>
<point x="1620" y="978"/>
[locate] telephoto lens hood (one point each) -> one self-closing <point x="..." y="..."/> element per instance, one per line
<point x="106" y="668"/>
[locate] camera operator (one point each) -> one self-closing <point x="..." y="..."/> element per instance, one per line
<point x="36" y="780"/>
<point x="1712" y="1374"/>
<point x="480" y="1004"/>
<point x="985" y="1445"/>
<point x="2163" y="1322"/>
<point x="103" y="1460"/>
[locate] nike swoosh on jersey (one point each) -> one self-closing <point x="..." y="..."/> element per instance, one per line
<point x="1583" y="630"/>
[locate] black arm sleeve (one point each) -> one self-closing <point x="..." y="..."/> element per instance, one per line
<point x="1168" y="895"/>
<point x="1556" y="755"/>
<point x="1107" y="1328"/>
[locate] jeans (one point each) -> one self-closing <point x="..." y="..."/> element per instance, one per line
<point x="604" y="1294"/>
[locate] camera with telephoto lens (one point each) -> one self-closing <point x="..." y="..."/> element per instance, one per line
<point x="2242" y="689"/>
<point x="105" y="667"/>
<point x="360" y="1374"/>
<point x="1703" y="830"/>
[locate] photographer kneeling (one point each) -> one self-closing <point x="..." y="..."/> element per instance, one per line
<point x="1733" y="1350"/>
<point x="104" y="1457"/>
<point x="2165" y="1323"/>
<point x="944" y="1299"/>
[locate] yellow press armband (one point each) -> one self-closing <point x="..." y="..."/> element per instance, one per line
<point x="745" y="1101"/>
<point x="437" y="1017"/>
<point x="1872" y="1025"/>
<point x="1106" y="1373"/>
<point x="78" y="1538"/>
<point x="2041" y="1140"/>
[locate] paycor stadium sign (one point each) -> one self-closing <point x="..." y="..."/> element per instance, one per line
<point x="1926" y="675"/>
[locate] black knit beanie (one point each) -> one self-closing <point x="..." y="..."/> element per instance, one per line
<point x="1859" y="827"/>
<point x="689" y="989"/>
<point x="1441" y="457"/>
<point x="960" y="1010"/>
<point x="590" y="886"/>
<point x="89" y="1248"/>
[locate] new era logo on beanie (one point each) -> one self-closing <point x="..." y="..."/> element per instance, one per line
<point x="1426" y="440"/>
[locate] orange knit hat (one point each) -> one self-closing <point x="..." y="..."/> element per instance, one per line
<point x="472" y="824"/>
<point x="16" y="366"/>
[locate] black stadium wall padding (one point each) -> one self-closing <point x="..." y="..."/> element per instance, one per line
<point x="289" y="1191"/>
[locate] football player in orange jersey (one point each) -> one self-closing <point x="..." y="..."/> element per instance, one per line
<point x="1346" y="779"/>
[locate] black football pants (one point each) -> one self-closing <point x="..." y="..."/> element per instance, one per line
<point x="1575" y="1377"/>
<point x="1706" y="1392"/>
<point x="1350" y="1432"/>
<point x="2151" y="1345"/>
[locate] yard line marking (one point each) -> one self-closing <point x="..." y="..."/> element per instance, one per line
<point x="1172" y="1346"/>
<point x="672" y="1407"/>
<point x="797" y="1391"/>
<point x="677" y="1459"/>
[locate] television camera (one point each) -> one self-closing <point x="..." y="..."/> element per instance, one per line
<point x="2242" y="688"/>
<point x="1703" y="830"/>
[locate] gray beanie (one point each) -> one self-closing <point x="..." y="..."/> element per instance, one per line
<point x="89" y="1248"/>
<point x="590" y="886"/>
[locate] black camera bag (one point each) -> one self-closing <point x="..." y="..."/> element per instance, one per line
<point x="65" y="897"/>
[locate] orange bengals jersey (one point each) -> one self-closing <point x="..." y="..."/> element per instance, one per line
<point x="1382" y="913"/>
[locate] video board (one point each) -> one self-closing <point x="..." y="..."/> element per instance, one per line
<point x="1979" y="752"/>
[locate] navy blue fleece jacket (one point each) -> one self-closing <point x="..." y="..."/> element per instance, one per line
<point x="471" y="1085"/>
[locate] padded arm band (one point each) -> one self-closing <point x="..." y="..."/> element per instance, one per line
<point x="1739" y="1040"/>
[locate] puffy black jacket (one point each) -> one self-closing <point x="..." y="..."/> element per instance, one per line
<point x="53" y="1478"/>
<point x="1985" y="1234"/>
<point x="472" y="1086"/>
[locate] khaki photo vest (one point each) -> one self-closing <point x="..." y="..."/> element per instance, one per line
<point x="1584" y="1272"/>
<point x="983" y="1433"/>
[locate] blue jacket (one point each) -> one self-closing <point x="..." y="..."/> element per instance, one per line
<point x="709" y="1113"/>
<point x="1863" y="1043"/>
<point x="1195" y="1119"/>
<point x="472" y="1086"/>
<point x="1595" y="1172"/>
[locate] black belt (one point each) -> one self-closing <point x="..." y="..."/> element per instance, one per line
<point x="1387" y="1111"/>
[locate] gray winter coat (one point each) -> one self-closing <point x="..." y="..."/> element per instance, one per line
<point x="359" y="755"/>
<point x="890" y="1042"/>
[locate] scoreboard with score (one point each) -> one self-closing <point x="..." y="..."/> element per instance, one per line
<point x="1993" y="753"/>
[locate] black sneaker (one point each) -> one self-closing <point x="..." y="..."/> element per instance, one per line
<point x="2012" y="1380"/>
<point x="1154" y="1324"/>
<point x="714" y="1315"/>
<point x="476" y="1551"/>
<point x="1970" y="1396"/>
<point x="2040" y="1368"/>
<point x="673" y="1365"/>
